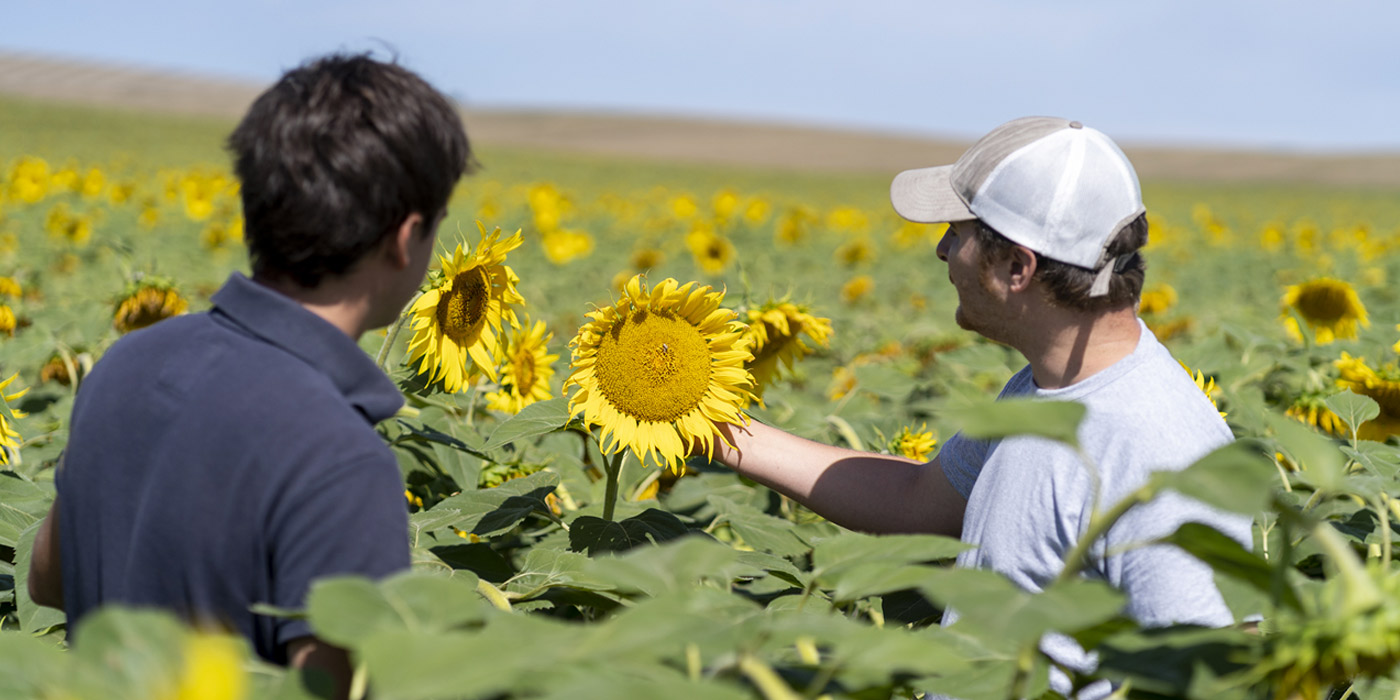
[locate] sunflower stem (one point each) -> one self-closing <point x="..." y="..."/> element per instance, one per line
<point x="610" y="496"/>
<point x="383" y="357"/>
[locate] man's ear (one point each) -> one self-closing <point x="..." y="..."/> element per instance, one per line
<point x="398" y="245"/>
<point x="1021" y="265"/>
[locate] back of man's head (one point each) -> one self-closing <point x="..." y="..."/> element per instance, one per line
<point x="334" y="157"/>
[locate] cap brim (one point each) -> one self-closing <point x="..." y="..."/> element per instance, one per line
<point x="926" y="196"/>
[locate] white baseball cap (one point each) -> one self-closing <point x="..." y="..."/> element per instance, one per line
<point x="1055" y="186"/>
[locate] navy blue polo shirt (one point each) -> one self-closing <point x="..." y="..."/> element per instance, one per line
<point x="227" y="458"/>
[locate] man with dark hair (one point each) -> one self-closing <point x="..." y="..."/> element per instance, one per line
<point x="1046" y="218"/>
<point x="229" y="458"/>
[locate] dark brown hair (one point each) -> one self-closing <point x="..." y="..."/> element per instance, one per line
<point x="335" y="156"/>
<point x="1068" y="285"/>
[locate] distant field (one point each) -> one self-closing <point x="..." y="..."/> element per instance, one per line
<point x="670" y="139"/>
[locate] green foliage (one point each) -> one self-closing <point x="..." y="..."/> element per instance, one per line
<point x="524" y="583"/>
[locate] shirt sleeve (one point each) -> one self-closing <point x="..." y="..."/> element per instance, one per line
<point x="349" y="518"/>
<point x="962" y="459"/>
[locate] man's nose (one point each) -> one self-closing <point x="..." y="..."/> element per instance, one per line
<point x="944" y="244"/>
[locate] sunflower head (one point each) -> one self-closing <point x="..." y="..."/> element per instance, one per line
<point x="1157" y="300"/>
<point x="527" y="370"/>
<point x="1382" y="385"/>
<point x="914" y="444"/>
<point x="712" y="252"/>
<point x="457" y="320"/>
<point x="147" y="301"/>
<point x="774" y="338"/>
<point x="658" y="369"/>
<point x="1329" y="306"/>
<point x="9" y="438"/>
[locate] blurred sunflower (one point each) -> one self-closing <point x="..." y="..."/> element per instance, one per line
<point x="1311" y="408"/>
<point x="855" y="251"/>
<point x="457" y="321"/>
<point x="8" y="322"/>
<point x="1329" y="306"/>
<point x="214" y="668"/>
<point x="774" y="337"/>
<point x="857" y="288"/>
<point x="147" y="301"/>
<point x="914" y="444"/>
<point x="1207" y="387"/>
<point x="10" y="288"/>
<point x="1157" y="300"/>
<point x="644" y="259"/>
<point x="712" y="252"/>
<point x="1383" y="385"/>
<point x="564" y="246"/>
<point x="527" y="371"/>
<point x="658" y="369"/>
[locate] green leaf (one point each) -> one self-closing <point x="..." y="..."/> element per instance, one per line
<point x="854" y="563"/>
<point x="1002" y="616"/>
<point x="1054" y="420"/>
<point x="1353" y="408"/>
<point x="1236" y="477"/>
<point x="31" y="663"/>
<point x="536" y="419"/>
<point x="477" y="557"/>
<point x="429" y="435"/>
<point x="32" y="616"/>
<point x="594" y="535"/>
<point x="760" y="530"/>
<point x="672" y="566"/>
<point x="1230" y="558"/>
<point x="546" y="568"/>
<point x="345" y="610"/>
<point x="427" y="521"/>
<point x="1321" y="464"/>
<point x="486" y="512"/>
<point x="1379" y="458"/>
<point x="22" y="504"/>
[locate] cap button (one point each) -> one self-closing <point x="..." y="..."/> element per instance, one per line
<point x="1076" y="125"/>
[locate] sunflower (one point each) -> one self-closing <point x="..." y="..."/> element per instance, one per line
<point x="9" y="438"/>
<point x="658" y="369"/>
<point x="214" y="668"/>
<point x="712" y="251"/>
<point x="147" y="301"/>
<point x="10" y="288"/>
<point x="774" y="338"/>
<point x="1383" y="385"/>
<point x="8" y="322"/>
<point x="857" y="288"/>
<point x="1311" y="408"/>
<point x="1157" y="300"/>
<point x="1207" y="386"/>
<point x="1329" y="306"/>
<point x="527" y="371"/>
<point x="914" y="444"/>
<point x="457" y="320"/>
<point x="564" y="246"/>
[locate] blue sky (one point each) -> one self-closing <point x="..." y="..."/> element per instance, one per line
<point x="1274" y="74"/>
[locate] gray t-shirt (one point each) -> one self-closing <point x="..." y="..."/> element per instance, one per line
<point x="1028" y="498"/>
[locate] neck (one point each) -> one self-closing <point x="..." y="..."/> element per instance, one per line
<point x="339" y="301"/>
<point x="1069" y="347"/>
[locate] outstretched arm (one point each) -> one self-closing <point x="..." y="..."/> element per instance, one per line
<point x="859" y="490"/>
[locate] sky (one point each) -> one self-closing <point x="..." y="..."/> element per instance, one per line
<point x="1277" y="74"/>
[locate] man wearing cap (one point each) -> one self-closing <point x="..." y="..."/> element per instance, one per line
<point x="1046" y="218"/>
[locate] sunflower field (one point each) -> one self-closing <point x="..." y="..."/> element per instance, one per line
<point x="586" y="323"/>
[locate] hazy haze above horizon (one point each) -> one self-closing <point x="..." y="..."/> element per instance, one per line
<point x="1252" y="74"/>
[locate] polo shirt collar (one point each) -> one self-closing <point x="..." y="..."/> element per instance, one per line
<point x="283" y="322"/>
